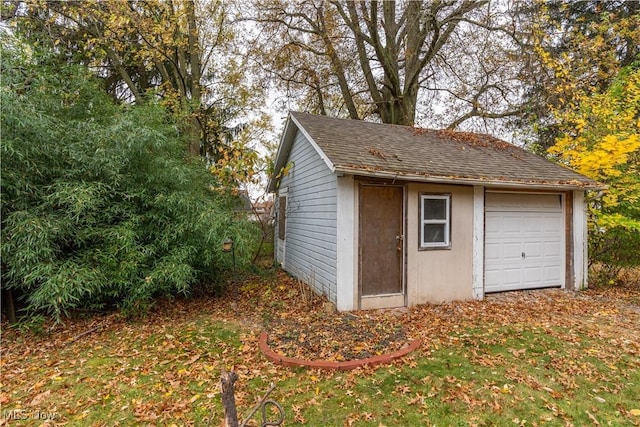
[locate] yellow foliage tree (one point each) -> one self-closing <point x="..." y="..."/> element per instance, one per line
<point x="588" y="80"/>
<point x="581" y="48"/>
<point x="601" y="139"/>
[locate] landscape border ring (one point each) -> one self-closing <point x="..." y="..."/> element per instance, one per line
<point x="326" y="364"/>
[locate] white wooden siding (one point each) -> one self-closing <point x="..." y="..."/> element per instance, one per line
<point x="309" y="248"/>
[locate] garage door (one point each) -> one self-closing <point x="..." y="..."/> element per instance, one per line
<point x="524" y="241"/>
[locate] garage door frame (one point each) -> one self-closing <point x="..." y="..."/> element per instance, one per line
<point x="563" y="255"/>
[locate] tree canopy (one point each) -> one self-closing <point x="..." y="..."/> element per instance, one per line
<point x="391" y="59"/>
<point x="601" y="139"/>
<point x="179" y="52"/>
<point x="579" y="48"/>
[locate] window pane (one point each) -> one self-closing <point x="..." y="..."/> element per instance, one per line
<point x="435" y="209"/>
<point x="434" y="233"/>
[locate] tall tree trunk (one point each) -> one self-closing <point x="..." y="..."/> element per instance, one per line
<point x="380" y="55"/>
<point x="194" y="53"/>
<point x="195" y="70"/>
<point x="9" y="305"/>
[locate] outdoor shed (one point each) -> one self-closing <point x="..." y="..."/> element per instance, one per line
<point x="378" y="216"/>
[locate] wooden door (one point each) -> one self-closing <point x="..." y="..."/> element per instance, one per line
<point x="381" y="248"/>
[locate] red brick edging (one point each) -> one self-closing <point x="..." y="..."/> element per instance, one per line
<point x="325" y="364"/>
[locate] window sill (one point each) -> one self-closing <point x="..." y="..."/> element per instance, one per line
<point x="434" y="248"/>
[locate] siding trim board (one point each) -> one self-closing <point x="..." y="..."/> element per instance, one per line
<point x="478" y="243"/>
<point x="346" y="250"/>
<point x="568" y="230"/>
<point x="580" y="240"/>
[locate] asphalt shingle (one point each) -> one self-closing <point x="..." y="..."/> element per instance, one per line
<point x="356" y="145"/>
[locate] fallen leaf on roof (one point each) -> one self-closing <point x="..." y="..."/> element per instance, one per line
<point x="377" y="153"/>
<point x="475" y="139"/>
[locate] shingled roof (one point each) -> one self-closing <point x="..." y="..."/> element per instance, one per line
<point x="408" y="153"/>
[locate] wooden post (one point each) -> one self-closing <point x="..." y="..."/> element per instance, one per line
<point x="228" y="398"/>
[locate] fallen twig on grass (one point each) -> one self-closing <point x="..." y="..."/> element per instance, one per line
<point x="87" y="332"/>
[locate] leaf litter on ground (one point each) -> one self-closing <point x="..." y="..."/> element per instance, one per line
<point x="165" y="367"/>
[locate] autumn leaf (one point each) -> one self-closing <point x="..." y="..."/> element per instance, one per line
<point x="40" y="398"/>
<point x="517" y="353"/>
<point x="593" y="418"/>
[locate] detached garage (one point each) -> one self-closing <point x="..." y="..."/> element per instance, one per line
<point x="374" y="215"/>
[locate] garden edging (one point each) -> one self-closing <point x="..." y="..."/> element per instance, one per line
<point x="326" y="364"/>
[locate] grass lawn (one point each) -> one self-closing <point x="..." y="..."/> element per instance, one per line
<point x="521" y="359"/>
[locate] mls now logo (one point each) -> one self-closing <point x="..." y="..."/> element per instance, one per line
<point x="23" y="414"/>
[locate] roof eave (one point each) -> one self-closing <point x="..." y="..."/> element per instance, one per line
<point x="470" y="181"/>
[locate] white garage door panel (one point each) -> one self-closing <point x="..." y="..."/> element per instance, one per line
<point x="551" y="275"/>
<point x="533" y="225"/>
<point x="509" y="202"/>
<point x="533" y="275"/>
<point x="511" y="277"/>
<point x="524" y="241"/>
<point x="552" y="249"/>
<point x="533" y="249"/>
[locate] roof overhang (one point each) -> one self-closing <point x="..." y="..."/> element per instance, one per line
<point x="531" y="185"/>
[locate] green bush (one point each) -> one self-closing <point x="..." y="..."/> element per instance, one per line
<point x="612" y="251"/>
<point x="101" y="204"/>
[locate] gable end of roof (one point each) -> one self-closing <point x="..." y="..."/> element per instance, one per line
<point x="292" y="126"/>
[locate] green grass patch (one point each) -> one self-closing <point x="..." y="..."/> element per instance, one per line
<point x="510" y="376"/>
<point x="166" y="371"/>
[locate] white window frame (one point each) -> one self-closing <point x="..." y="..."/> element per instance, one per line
<point x="446" y="244"/>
